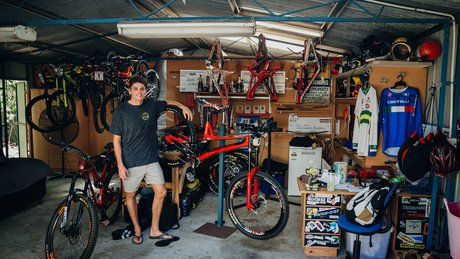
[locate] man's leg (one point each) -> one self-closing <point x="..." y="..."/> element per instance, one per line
<point x="160" y="194"/>
<point x="132" y="209"/>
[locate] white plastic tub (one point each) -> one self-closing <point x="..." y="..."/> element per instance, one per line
<point x="380" y="242"/>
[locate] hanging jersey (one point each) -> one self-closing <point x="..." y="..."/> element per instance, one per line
<point x="365" y="131"/>
<point x="400" y="115"/>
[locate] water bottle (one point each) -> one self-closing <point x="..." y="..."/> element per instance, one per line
<point x="330" y="181"/>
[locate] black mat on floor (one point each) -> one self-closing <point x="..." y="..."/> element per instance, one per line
<point x="215" y="230"/>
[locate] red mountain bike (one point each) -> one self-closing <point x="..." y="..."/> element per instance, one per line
<point x="74" y="226"/>
<point x="257" y="204"/>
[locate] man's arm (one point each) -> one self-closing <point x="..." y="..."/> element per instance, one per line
<point x="185" y="110"/>
<point x="122" y="171"/>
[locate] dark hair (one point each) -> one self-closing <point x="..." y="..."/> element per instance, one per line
<point x="137" y="79"/>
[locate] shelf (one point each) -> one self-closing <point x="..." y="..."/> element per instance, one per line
<point x="359" y="160"/>
<point x="232" y="97"/>
<point x="381" y="63"/>
<point x="346" y="100"/>
<point x="252" y="114"/>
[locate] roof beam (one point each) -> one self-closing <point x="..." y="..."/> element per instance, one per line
<point x="234" y="6"/>
<point x="48" y="15"/>
<point x="336" y="11"/>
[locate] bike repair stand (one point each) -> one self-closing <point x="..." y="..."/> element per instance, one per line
<point x="218" y="229"/>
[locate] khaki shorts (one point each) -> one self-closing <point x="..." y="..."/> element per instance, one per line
<point x="152" y="174"/>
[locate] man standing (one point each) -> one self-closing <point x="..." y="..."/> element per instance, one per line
<point x="134" y="129"/>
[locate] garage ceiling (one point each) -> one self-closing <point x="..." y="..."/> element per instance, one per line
<point x="55" y="41"/>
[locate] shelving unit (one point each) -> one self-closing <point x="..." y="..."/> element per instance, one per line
<point x="320" y="210"/>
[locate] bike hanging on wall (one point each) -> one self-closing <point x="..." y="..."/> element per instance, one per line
<point x="261" y="73"/>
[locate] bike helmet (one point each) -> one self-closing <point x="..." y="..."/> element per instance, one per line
<point x="430" y="50"/>
<point x="400" y="49"/>
<point x="373" y="47"/>
<point x="443" y="160"/>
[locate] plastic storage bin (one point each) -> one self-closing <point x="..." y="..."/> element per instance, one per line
<point x="380" y="242"/>
<point x="453" y="223"/>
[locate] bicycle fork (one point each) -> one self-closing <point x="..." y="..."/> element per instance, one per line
<point x="252" y="191"/>
<point x="65" y="227"/>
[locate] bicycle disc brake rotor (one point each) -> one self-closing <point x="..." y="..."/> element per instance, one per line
<point x="259" y="202"/>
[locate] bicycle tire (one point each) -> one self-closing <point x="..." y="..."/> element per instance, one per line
<point x="172" y="122"/>
<point x="109" y="104"/>
<point x="36" y="111"/>
<point x="95" y="97"/>
<point x="235" y="163"/>
<point x="153" y="84"/>
<point x="73" y="236"/>
<point x="142" y="67"/>
<point x="61" y="108"/>
<point x="271" y="213"/>
<point x="112" y="196"/>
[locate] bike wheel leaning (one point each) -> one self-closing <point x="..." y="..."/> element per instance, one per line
<point x="112" y="197"/>
<point x="271" y="209"/>
<point x="75" y="238"/>
<point x="153" y="84"/>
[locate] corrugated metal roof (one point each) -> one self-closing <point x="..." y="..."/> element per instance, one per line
<point x="54" y="41"/>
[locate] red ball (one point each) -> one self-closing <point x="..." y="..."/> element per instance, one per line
<point x="430" y="50"/>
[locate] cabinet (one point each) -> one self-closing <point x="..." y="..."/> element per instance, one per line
<point x="320" y="210"/>
<point x="412" y="219"/>
<point x="382" y="74"/>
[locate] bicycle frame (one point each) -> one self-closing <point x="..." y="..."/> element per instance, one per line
<point x="262" y="63"/>
<point x="303" y="84"/>
<point x="221" y="74"/>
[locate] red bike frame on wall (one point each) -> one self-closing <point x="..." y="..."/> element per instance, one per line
<point x="303" y="83"/>
<point x="261" y="73"/>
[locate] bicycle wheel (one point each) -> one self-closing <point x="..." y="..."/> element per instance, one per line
<point x="112" y="196"/>
<point x="235" y="163"/>
<point x="172" y="122"/>
<point x="271" y="211"/>
<point x="62" y="108"/>
<point x="37" y="115"/>
<point x="153" y="84"/>
<point x="108" y="107"/>
<point x="75" y="238"/>
<point x="141" y="68"/>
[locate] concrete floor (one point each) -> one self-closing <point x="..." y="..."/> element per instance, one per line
<point x="22" y="234"/>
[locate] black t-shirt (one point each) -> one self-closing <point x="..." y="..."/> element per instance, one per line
<point x="137" y="126"/>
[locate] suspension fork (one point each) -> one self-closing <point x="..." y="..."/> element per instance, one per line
<point x="252" y="191"/>
<point x="72" y="192"/>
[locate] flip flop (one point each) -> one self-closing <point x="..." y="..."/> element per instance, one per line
<point x="137" y="240"/>
<point x="166" y="242"/>
<point x="163" y="237"/>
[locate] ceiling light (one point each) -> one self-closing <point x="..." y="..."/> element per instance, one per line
<point x="144" y="30"/>
<point x="17" y="34"/>
<point x="307" y="32"/>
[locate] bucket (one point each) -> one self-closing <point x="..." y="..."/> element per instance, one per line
<point x="453" y="223"/>
<point x="341" y="169"/>
<point x="380" y="242"/>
